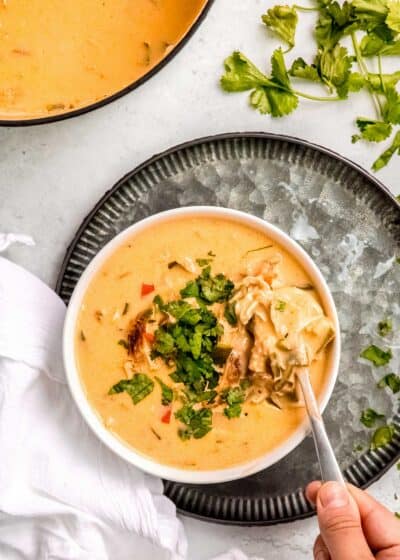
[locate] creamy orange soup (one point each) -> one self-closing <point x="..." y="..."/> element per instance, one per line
<point x="271" y="295"/>
<point x="58" y="55"/>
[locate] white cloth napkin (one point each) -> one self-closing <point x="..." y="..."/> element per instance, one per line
<point x="63" y="495"/>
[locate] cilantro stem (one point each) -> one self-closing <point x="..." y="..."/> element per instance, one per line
<point x="315" y="97"/>
<point x="304" y="9"/>
<point x="380" y="73"/>
<point x="364" y="71"/>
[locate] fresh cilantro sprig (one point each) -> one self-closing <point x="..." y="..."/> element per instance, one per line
<point x="378" y="24"/>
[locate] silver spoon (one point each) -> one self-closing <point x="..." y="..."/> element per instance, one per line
<point x="328" y="464"/>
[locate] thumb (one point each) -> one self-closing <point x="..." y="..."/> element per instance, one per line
<point x="340" y="524"/>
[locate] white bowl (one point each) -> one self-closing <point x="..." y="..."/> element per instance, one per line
<point x="135" y="457"/>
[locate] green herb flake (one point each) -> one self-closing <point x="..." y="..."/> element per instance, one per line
<point x="230" y="313"/>
<point x="82" y="336"/>
<point x="198" y="422"/>
<point x="382" y="436"/>
<point x="397" y="514"/>
<point x="385" y="327"/>
<point x="234" y="398"/>
<point x="398" y="466"/>
<point x="369" y="417"/>
<point x="392" y="381"/>
<point x="123" y="343"/>
<point x="203" y="262"/>
<point x="371" y="130"/>
<point x="137" y="388"/>
<point x="211" y="254"/>
<point x="126" y="309"/>
<point x="376" y="355"/>
<point x="209" y="289"/>
<point x="280" y="306"/>
<point x="387" y="155"/>
<point x="258" y="249"/>
<point x="167" y="394"/>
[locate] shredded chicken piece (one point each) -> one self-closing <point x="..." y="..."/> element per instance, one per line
<point x="288" y="327"/>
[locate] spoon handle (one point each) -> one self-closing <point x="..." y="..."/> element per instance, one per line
<point x="328" y="464"/>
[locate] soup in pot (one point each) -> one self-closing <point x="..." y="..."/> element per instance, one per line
<point x="57" y="55"/>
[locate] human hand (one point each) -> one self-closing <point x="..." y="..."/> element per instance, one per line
<point x="353" y="525"/>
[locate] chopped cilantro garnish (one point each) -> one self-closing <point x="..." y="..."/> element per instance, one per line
<point x="82" y="335"/>
<point x="203" y="262"/>
<point x="258" y="249"/>
<point x="167" y="394"/>
<point x="211" y="254"/>
<point x="137" y="388"/>
<point x="390" y="380"/>
<point x="398" y="466"/>
<point x="281" y="305"/>
<point x="397" y="514"/>
<point x="376" y="355"/>
<point x="385" y="327"/>
<point x="124" y="344"/>
<point x="126" y="308"/>
<point x="209" y="289"/>
<point x="198" y="422"/>
<point x="382" y="436"/>
<point x="230" y="313"/>
<point x="369" y="417"/>
<point x="234" y="398"/>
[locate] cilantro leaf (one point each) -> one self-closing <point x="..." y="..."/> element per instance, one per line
<point x="234" y="398"/>
<point x="241" y="74"/>
<point x="208" y="288"/>
<point x="391" y="110"/>
<point x="387" y="155"/>
<point x="230" y="313"/>
<point x="373" y="12"/>
<point x="167" y="394"/>
<point x="385" y="327"/>
<point x="332" y="23"/>
<point x="382" y="436"/>
<point x="198" y="422"/>
<point x="283" y="21"/>
<point x="137" y="388"/>
<point x="276" y="102"/>
<point x="334" y="68"/>
<point x="392" y="381"/>
<point x="376" y="355"/>
<point x="372" y="131"/>
<point x="369" y="417"/>
<point x="164" y="344"/>
<point x="355" y="81"/>
<point x="393" y="17"/>
<point x="300" y="69"/>
<point x="383" y="82"/>
<point x="373" y="45"/>
<point x="279" y="73"/>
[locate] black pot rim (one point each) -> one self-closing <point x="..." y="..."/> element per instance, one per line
<point x="120" y="93"/>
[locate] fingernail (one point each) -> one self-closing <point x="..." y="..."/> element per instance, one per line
<point x="333" y="494"/>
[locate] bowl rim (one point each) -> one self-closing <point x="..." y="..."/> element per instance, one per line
<point x="33" y="121"/>
<point x="128" y="453"/>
